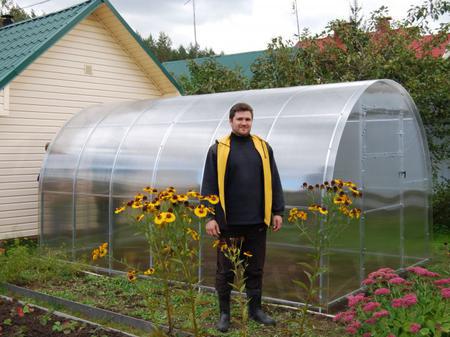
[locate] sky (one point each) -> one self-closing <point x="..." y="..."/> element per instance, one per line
<point x="231" y="26"/>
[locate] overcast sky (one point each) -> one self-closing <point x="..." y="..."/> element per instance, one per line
<point x="231" y="26"/>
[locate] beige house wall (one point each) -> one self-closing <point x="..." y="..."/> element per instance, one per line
<point x="87" y="66"/>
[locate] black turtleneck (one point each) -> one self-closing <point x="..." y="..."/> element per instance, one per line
<point x="244" y="183"/>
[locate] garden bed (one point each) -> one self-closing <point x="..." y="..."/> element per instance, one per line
<point x="19" y="319"/>
<point x="119" y="295"/>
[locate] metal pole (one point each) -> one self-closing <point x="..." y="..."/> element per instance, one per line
<point x="296" y="15"/>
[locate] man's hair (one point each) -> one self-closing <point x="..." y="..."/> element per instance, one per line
<point x="239" y="107"/>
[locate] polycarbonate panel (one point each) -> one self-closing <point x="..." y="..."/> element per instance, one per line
<point x="57" y="218"/>
<point x="367" y="132"/>
<point x="166" y="110"/>
<point x="92" y="223"/>
<point x="96" y="163"/>
<point x="302" y="140"/>
<point x="382" y="136"/>
<point x="318" y="100"/>
<point x="128" y="246"/>
<point x="62" y="159"/>
<point x="137" y="154"/>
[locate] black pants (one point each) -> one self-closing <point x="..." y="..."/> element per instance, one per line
<point x="254" y="241"/>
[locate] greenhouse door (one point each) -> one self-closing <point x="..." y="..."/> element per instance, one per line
<point x="383" y="176"/>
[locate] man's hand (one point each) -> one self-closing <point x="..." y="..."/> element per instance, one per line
<point x="277" y="222"/>
<point x="212" y="228"/>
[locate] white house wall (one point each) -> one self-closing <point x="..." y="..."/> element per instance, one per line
<point x="87" y="66"/>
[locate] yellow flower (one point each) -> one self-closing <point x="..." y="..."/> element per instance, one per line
<point x="314" y="208"/>
<point x="104" y="245"/>
<point x="120" y="209"/>
<point x="171" y="190"/>
<point x="223" y="247"/>
<point x="137" y="204"/>
<point x="215" y="243"/>
<point x="150" y="271"/>
<point x="212" y="199"/>
<point x="293" y="212"/>
<point x="248" y="254"/>
<point x="140" y="217"/>
<point x="323" y="210"/>
<point x="150" y="190"/>
<point x="344" y="210"/>
<point x="350" y="184"/>
<point x="193" y="194"/>
<point x="168" y="217"/>
<point x="139" y="197"/>
<point x="182" y="197"/>
<point x="338" y="200"/>
<point x="302" y="215"/>
<point x="201" y="211"/>
<point x="103" y="252"/>
<point x="131" y="275"/>
<point x="159" y="219"/>
<point x="174" y="199"/>
<point x="193" y="234"/>
<point x="95" y="254"/>
<point x="355" y="213"/>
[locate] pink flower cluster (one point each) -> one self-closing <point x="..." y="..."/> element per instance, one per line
<point x="355" y="299"/>
<point x="382" y="291"/>
<point x="414" y="327"/>
<point x="405" y="301"/>
<point x="445" y="292"/>
<point x="442" y="282"/>
<point x="422" y="272"/>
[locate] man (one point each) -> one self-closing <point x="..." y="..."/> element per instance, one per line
<point x="241" y="169"/>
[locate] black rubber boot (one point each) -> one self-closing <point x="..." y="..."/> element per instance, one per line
<point x="224" y="319"/>
<point x="255" y="311"/>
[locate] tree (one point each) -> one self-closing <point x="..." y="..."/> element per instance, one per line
<point x="11" y="8"/>
<point x="210" y="76"/>
<point x="163" y="50"/>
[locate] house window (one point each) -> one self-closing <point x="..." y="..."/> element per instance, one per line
<point x="4" y="101"/>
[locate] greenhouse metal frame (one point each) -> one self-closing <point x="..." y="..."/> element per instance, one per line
<point x="368" y="132"/>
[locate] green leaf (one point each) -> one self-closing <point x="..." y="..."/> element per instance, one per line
<point x="301" y="284"/>
<point x="424" y="331"/>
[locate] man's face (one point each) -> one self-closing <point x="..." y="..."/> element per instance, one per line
<point x="241" y="123"/>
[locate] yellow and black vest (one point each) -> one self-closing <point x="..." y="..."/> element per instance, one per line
<point x="223" y="150"/>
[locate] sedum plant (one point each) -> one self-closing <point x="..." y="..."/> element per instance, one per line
<point x="394" y="306"/>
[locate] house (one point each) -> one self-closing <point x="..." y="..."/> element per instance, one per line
<point x="50" y="68"/>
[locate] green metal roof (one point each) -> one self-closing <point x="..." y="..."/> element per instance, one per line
<point x="23" y="42"/>
<point x="232" y="61"/>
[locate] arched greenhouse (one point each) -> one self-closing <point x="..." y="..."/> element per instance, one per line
<point x="368" y="132"/>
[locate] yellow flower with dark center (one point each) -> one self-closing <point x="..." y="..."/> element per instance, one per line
<point x="171" y="190"/>
<point x="120" y="209"/>
<point x="131" y="275"/>
<point x="168" y="217"/>
<point x="355" y="213"/>
<point x="212" y="199"/>
<point x="193" y="194"/>
<point x="223" y="247"/>
<point x="248" y="254"/>
<point x="194" y="235"/>
<point x="216" y="243"/>
<point x="159" y="219"/>
<point x="140" y="217"/>
<point x="338" y="200"/>
<point x="302" y="215"/>
<point x="104" y="245"/>
<point x="323" y="210"/>
<point x="138" y="197"/>
<point x="103" y="252"/>
<point x="182" y="197"/>
<point x="293" y="212"/>
<point x="149" y="271"/>
<point x="314" y="208"/>
<point x="350" y="184"/>
<point x="174" y="199"/>
<point x="137" y="204"/>
<point x="201" y="211"/>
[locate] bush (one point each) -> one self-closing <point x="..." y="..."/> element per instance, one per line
<point x="441" y="209"/>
